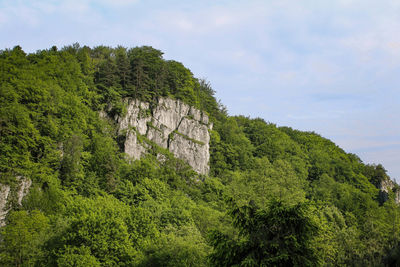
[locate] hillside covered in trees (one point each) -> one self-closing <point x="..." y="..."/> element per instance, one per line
<point x="274" y="196"/>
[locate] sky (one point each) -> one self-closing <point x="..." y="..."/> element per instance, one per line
<point x="332" y="67"/>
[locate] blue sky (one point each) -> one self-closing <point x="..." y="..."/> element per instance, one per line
<point x="332" y="67"/>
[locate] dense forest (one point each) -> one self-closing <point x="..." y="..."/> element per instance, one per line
<point x="274" y="196"/>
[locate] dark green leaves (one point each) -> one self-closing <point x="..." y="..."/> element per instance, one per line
<point x="279" y="235"/>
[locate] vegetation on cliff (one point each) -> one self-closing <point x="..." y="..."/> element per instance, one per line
<point x="274" y="196"/>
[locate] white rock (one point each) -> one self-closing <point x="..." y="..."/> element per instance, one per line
<point x="194" y="130"/>
<point x="204" y="118"/>
<point x="196" y="155"/>
<point x="132" y="147"/>
<point x="160" y="137"/>
<point x="387" y="186"/>
<point x="24" y="185"/>
<point x="4" y="192"/>
<point x="168" y="116"/>
<point x="195" y="113"/>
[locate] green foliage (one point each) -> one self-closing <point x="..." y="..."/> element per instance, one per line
<point x="23" y="237"/>
<point x="177" y="247"/>
<point x="231" y="150"/>
<point x="279" y="235"/>
<point x="100" y="225"/>
<point x="299" y="198"/>
<point x="77" y="256"/>
<point x="376" y="174"/>
<point x="266" y="181"/>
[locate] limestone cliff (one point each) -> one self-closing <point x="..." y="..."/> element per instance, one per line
<point x="171" y="124"/>
<point x="386" y="186"/>
<point x="7" y="193"/>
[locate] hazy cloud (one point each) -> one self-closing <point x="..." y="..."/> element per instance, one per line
<point x="328" y="66"/>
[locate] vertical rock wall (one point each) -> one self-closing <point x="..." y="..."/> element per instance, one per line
<point x="4" y="209"/>
<point x="171" y="124"/>
<point x="5" y="194"/>
<point x="385" y="188"/>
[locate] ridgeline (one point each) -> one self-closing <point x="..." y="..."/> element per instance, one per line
<point x="118" y="157"/>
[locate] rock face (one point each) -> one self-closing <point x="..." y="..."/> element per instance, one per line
<point x="5" y="194"/>
<point x="4" y="209"/>
<point x="171" y="124"/>
<point x="387" y="186"/>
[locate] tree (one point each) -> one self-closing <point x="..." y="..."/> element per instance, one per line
<point x="71" y="169"/>
<point x="22" y="238"/>
<point x="73" y="256"/>
<point x="123" y="66"/>
<point x="100" y="225"/>
<point x="146" y="65"/>
<point x="277" y="236"/>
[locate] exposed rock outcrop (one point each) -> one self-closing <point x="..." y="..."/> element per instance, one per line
<point x="23" y="189"/>
<point x="5" y="195"/>
<point x="171" y="124"/>
<point x="386" y="186"/>
<point x="4" y="209"/>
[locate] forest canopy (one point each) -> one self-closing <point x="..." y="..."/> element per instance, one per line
<point x="274" y="196"/>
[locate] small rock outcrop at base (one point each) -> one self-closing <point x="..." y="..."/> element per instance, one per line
<point x="6" y="193"/>
<point x="170" y="124"/>
<point x="386" y="186"/>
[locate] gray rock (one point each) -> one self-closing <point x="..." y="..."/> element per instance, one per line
<point x="133" y="148"/>
<point x="387" y="186"/>
<point x="196" y="114"/>
<point x="171" y="124"/>
<point x="23" y="190"/>
<point x="5" y="192"/>
<point x="136" y="116"/>
<point x="170" y="113"/>
<point x="159" y="136"/>
<point x="195" y="154"/>
<point x="194" y="130"/>
<point x="204" y="119"/>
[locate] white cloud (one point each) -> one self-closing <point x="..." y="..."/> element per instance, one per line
<point x="291" y="57"/>
<point x="20" y="14"/>
<point x="116" y="3"/>
<point x="4" y="17"/>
